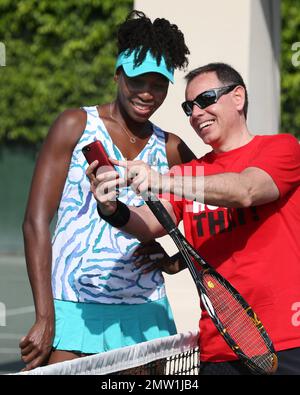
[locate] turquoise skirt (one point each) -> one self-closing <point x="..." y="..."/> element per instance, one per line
<point x="91" y="328"/>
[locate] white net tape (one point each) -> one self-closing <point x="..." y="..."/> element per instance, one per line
<point x="125" y="358"/>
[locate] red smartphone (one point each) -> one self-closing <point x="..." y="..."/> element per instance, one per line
<point x="95" y="151"/>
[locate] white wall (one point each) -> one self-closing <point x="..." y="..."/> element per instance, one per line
<point x="263" y="66"/>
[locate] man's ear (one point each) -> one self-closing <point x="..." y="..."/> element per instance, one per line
<point x="239" y="96"/>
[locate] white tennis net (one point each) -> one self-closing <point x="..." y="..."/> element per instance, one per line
<point x="172" y="355"/>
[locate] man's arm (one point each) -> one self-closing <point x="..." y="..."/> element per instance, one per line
<point x="251" y="187"/>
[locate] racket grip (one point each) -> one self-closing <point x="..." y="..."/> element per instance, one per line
<point x="159" y="211"/>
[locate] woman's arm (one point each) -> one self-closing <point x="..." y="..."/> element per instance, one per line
<point x="46" y="188"/>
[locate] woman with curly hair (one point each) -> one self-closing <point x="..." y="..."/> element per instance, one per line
<point x="91" y="290"/>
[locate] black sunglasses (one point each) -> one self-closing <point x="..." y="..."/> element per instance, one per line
<point x="206" y="98"/>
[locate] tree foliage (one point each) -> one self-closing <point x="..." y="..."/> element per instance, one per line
<point x="59" y="54"/>
<point x="290" y="67"/>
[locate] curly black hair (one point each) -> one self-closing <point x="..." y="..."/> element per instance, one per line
<point x="160" y="37"/>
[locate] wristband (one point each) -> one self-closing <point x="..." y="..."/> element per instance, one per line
<point x="119" y="218"/>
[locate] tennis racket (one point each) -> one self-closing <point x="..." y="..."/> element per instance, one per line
<point x="231" y="314"/>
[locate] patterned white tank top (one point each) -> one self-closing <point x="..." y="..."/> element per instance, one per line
<point x="92" y="261"/>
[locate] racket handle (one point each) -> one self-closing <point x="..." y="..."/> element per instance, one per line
<point x="159" y="211"/>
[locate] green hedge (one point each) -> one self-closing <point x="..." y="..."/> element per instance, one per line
<point x="59" y="54"/>
<point x="290" y="73"/>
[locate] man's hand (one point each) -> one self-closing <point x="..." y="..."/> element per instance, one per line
<point x="141" y="177"/>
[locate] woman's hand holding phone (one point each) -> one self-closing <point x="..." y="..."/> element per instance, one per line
<point x="96" y="151"/>
<point x="104" y="179"/>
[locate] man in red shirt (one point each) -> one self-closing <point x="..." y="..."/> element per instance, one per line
<point x="242" y="213"/>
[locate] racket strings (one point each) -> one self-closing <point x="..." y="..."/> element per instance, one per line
<point x="238" y="324"/>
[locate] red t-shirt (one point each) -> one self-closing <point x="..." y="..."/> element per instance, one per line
<point x="257" y="249"/>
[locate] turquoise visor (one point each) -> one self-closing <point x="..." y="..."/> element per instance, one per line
<point x="149" y="65"/>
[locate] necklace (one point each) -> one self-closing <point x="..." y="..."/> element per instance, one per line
<point x="132" y="139"/>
